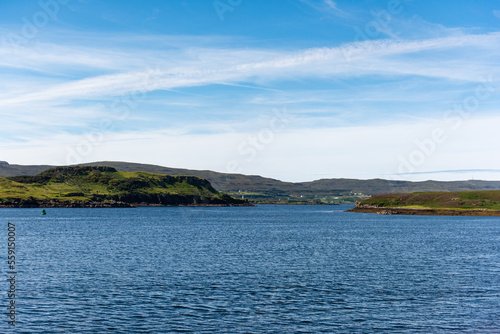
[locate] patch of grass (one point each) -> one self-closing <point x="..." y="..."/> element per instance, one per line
<point x="487" y="200"/>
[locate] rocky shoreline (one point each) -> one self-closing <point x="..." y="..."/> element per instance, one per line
<point x="110" y="204"/>
<point x="422" y="212"/>
<point x="51" y="204"/>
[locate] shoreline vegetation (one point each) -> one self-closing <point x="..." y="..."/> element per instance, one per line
<point x="106" y="187"/>
<point x="465" y="203"/>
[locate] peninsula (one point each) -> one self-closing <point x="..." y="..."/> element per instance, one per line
<point x="101" y="186"/>
<point x="465" y="203"/>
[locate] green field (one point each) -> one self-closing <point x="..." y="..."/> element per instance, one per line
<point x="463" y="200"/>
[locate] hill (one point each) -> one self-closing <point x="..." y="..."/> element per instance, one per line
<point x="266" y="190"/>
<point x="100" y="186"/>
<point x="483" y="203"/>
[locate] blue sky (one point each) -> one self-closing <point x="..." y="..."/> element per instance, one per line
<point x="294" y="90"/>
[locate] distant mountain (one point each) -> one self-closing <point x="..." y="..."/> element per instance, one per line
<point x="259" y="188"/>
<point x="380" y="186"/>
<point x="15" y="170"/>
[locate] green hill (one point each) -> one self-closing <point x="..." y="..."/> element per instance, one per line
<point x="453" y="203"/>
<point x="99" y="186"/>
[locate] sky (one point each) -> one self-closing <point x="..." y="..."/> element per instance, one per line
<point x="293" y="90"/>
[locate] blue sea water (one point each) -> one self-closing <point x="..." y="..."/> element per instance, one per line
<point x="264" y="269"/>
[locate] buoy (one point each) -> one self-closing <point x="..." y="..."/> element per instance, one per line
<point x="44" y="212"/>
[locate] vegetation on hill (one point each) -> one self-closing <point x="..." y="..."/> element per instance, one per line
<point x="489" y="200"/>
<point x="105" y="186"/>
<point x="463" y="203"/>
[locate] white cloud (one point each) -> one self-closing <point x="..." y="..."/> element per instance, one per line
<point x="294" y="154"/>
<point x="39" y="115"/>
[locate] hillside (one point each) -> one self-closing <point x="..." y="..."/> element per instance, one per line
<point x="261" y="189"/>
<point x="100" y="186"/>
<point x="433" y="203"/>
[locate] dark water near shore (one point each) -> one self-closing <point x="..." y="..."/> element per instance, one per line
<point x="285" y="269"/>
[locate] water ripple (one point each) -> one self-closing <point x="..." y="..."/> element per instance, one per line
<point x="255" y="270"/>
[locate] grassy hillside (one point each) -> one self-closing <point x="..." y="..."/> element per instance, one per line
<point x="465" y="200"/>
<point x="106" y="186"/>
<point x="261" y="189"/>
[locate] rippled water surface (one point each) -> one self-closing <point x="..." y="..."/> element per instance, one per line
<point x="266" y="269"/>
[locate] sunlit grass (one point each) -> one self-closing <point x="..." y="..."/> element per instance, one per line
<point x="465" y="200"/>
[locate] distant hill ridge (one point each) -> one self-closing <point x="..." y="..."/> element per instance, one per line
<point x="263" y="187"/>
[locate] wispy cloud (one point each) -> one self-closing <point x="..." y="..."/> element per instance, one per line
<point x="330" y="4"/>
<point x="383" y="58"/>
<point x="214" y="93"/>
<point x="326" y="6"/>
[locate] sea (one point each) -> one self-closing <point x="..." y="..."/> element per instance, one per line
<point x="262" y="269"/>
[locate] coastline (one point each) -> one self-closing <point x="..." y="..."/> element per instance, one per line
<point x="423" y="211"/>
<point x="115" y="204"/>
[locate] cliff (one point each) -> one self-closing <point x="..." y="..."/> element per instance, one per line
<point x="101" y="186"/>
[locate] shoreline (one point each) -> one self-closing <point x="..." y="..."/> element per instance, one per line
<point x="100" y="205"/>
